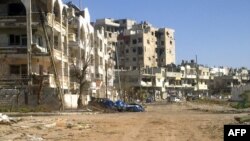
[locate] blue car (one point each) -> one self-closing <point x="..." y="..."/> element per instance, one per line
<point x="120" y="105"/>
<point x="135" y="108"/>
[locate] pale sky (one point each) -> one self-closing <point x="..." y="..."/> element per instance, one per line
<point x="217" y="31"/>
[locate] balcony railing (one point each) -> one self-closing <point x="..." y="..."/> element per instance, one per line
<point x="12" y="20"/>
<point x="13" y="80"/>
<point x="13" y="50"/>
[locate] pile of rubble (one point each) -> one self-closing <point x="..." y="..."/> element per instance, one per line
<point x="4" y="119"/>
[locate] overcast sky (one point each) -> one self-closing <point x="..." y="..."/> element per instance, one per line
<point x="217" y="31"/>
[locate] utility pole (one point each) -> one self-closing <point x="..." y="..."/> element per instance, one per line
<point x="106" y="80"/>
<point x="197" y="72"/>
<point x="118" y="72"/>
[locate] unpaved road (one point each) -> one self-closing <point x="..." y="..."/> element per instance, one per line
<point x="171" y="122"/>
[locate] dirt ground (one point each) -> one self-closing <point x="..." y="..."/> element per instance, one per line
<point x="165" y="122"/>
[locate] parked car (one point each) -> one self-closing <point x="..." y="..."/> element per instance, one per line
<point x="120" y="105"/>
<point x="135" y="108"/>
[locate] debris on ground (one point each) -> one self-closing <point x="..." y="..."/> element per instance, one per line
<point x="243" y="119"/>
<point x="33" y="138"/>
<point x="4" y="119"/>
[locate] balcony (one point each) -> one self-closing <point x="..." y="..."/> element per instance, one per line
<point x="190" y="76"/>
<point x="51" y="81"/>
<point x="50" y="18"/>
<point x="38" y="50"/>
<point x="201" y="87"/>
<point x="173" y="74"/>
<point x="13" y="50"/>
<point x="204" y="77"/>
<point x="13" y="81"/>
<point x="146" y="84"/>
<point x="13" y="21"/>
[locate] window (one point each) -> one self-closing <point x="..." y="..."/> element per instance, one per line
<point x="140" y="40"/>
<point x="134" y="59"/>
<point x="148" y="41"/>
<point x="14" y="39"/>
<point x="24" y="40"/>
<point x="156" y="50"/>
<point x="127" y="42"/>
<point x="162" y="43"/>
<point x="127" y="59"/>
<point x="170" y="42"/>
<point x="152" y="33"/>
<point x="134" y="67"/>
<point x="167" y="33"/>
<point x="18" y="40"/>
<point x="16" y="9"/>
<point x="15" y="69"/>
<point x="134" y="41"/>
<point x="134" y="50"/>
<point x="127" y="50"/>
<point x="56" y="42"/>
<point x="140" y="50"/>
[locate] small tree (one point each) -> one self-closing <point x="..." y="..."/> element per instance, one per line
<point x="80" y="72"/>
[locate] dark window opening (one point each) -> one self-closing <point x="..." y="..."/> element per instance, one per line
<point x="162" y="43"/>
<point x="140" y="50"/>
<point x="140" y="40"/>
<point x="134" y="50"/>
<point x="18" y="40"/>
<point x="134" y="41"/>
<point x="15" y="69"/>
<point x="127" y="51"/>
<point x="16" y="9"/>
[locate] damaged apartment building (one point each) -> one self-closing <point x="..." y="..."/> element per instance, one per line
<point x="139" y="48"/>
<point x="42" y="43"/>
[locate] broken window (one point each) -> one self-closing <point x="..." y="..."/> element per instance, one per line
<point x="148" y="41"/>
<point x="170" y="42"/>
<point x="167" y="33"/>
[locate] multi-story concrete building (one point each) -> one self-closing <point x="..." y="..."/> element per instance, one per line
<point x="81" y="50"/>
<point x="136" y="47"/>
<point x="104" y="66"/>
<point x="106" y="32"/>
<point x="165" y="46"/>
<point x="24" y="49"/>
<point x="41" y="59"/>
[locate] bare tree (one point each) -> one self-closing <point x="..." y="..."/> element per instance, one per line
<point x="80" y="72"/>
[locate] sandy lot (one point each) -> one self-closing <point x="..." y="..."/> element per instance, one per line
<point x="169" y="122"/>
